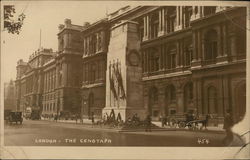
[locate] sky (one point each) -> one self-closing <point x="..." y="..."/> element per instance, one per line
<point x="45" y="15"/>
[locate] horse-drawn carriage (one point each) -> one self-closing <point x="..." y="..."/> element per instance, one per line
<point x="14" y="117"/>
<point x="189" y="120"/>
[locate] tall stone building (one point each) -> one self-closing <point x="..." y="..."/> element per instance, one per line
<point x="94" y="60"/>
<point x="156" y="60"/>
<point x="9" y="96"/>
<point x="30" y="78"/>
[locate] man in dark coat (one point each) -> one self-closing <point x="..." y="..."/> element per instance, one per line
<point x="148" y="123"/>
<point x="93" y="118"/>
<point x="228" y="124"/>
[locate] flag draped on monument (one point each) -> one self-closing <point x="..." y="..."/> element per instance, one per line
<point x="120" y="81"/>
<point x="111" y="80"/>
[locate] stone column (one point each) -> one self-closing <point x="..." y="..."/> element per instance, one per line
<point x="97" y="41"/>
<point x="194" y="46"/>
<point x="64" y="74"/>
<point x="164" y="56"/>
<point x="144" y="61"/>
<point x="161" y="101"/>
<point x="149" y="64"/>
<point x="219" y="47"/>
<point x="195" y="98"/>
<point x="201" y="43"/>
<point x="226" y="97"/>
<point x="181" y="53"/>
<point x="148" y="27"/>
<point x="184" y="17"/>
<point x="166" y="21"/>
<point x="181" y="15"/>
<point x="180" y="101"/>
<point x="198" y="15"/>
<point x="199" y="96"/>
<point x="177" y="27"/>
<point x="202" y="11"/>
<point x="224" y="32"/>
<point x="47" y="82"/>
<point x="160" y="22"/>
<point x="145" y="28"/>
<point x="193" y="16"/>
<point x="163" y="20"/>
<point x="177" y="54"/>
<point x="233" y="41"/>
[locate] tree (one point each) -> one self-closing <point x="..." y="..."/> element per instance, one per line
<point x="12" y="26"/>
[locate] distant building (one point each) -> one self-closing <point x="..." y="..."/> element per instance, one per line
<point x="9" y="96"/>
<point x="156" y="60"/>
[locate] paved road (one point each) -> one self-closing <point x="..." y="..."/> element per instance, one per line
<point x="47" y="133"/>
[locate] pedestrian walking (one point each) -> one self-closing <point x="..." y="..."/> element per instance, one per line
<point x="228" y="124"/>
<point x="148" y="123"/>
<point x="163" y="120"/>
<point x="93" y="119"/>
<point x="76" y="117"/>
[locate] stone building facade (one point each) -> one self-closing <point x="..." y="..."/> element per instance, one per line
<point x="156" y="60"/>
<point x="94" y="60"/>
<point x="9" y="96"/>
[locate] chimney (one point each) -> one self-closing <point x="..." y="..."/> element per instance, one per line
<point x="67" y="22"/>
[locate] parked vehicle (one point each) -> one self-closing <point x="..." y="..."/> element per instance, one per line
<point x="15" y="117"/>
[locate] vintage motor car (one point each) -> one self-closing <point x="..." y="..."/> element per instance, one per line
<point x="15" y="117"/>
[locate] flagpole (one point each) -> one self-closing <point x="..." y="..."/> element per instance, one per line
<point x="109" y="84"/>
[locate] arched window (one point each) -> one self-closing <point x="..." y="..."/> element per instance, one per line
<point x="170" y="93"/>
<point x="211" y="45"/>
<point x="212" y="100"/>
<point x="172" y="57"/>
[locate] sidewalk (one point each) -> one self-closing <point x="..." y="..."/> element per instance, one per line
<point x="87" y="122"/>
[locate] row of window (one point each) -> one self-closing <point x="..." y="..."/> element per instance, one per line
<point x="165" y="57"/>
<point x="93" y="71"/>
<point x="171" y="98"/>
<point x="50" y="80"/>
<point x="49" y="97"/>
<point x="171" y="19"/>
<point x="29" y="88"/>
<point x="49" y="107"/>
<point x="92" y="43"/>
